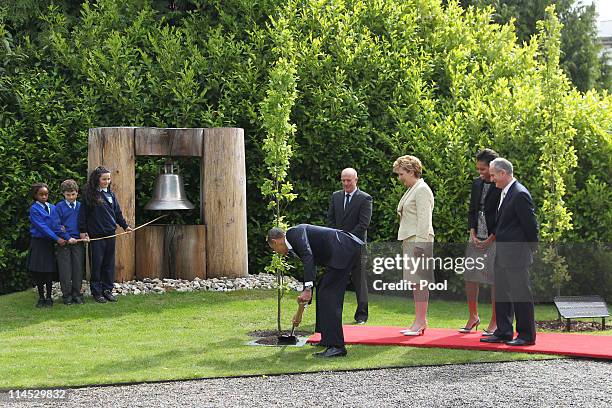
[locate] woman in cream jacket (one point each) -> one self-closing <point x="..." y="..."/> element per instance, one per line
<point x="417" y="235"/>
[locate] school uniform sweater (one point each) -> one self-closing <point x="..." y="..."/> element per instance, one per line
<point x="101" y="218"/>
<point x="68" y="217"/>
<point x="43" y="224"/>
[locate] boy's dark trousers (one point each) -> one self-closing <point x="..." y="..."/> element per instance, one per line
<point x="70" y="267"/>
<point x="102" y="254"/>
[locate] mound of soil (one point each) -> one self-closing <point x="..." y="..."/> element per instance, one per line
<point x="577" y="326"/>
<point x="274" y="333"/>
<point x="270" y="337"/>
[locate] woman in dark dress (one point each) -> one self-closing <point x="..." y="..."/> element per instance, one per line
<point x="484" y="201"/>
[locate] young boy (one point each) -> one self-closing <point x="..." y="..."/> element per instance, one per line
<point x="70" y="258"/>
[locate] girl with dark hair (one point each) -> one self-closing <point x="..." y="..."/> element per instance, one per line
<point x="44" y="232"/>
<point x="99" y="215"/>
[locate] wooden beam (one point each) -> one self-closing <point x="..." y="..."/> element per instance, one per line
<point x="168" y="142"/>
<point x="223" y="189"/>
<point x="113" y="148"/>
<point x="150" y="252"/>
<point x="171" y="251"/>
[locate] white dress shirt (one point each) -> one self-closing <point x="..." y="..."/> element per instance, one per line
<point x="108" y="197"/>
<point x="504" y="192"/>
<point x="350" y="197"/>
<point x="45" y="206"/>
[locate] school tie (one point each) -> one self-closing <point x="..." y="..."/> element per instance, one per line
<point x="347" y="198"/>
<point x="72" y="205"/>
<point x="47" y="209"/>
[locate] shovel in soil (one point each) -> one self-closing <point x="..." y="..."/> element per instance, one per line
<point x="290" y="339"/>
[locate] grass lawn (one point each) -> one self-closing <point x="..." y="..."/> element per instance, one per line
<point x="193" y="335"/>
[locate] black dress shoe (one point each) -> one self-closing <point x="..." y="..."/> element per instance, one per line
<point x="109" y="296"/>
<point x="100" y="299"/>
<point x="493" y="339"/>
<point x="48" y="302"/>
<point x="40" y="303"/>
<point x="360" y="321"/>
<point x="67" y="300"/>
<point x="78" y="300"/>
<point x="332" y="352"/>
<point x="520" y="342"/>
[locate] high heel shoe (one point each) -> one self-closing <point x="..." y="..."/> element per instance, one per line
<point x="467" y="329"/>
<point x="487" y="333"/>
<point x="418" y="332"/>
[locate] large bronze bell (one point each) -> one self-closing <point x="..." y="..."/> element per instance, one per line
<point x="169" y="192"/>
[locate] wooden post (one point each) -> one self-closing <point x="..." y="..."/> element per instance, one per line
<point x="223" y="189"/>
<point x="171" y="251"/>
<point x="113" y="148"/>
<point x="150" y="252"/>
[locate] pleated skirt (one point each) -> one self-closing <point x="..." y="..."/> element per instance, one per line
<point x="41" y="256"/>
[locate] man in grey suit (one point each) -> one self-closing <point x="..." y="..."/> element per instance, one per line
<point x="350" y="209"/>
<point x="337" y="251"/>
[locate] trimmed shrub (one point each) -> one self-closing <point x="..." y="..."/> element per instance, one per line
<point x="375" y="80"/>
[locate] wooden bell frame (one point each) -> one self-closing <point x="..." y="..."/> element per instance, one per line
<point x="215" y="249"/>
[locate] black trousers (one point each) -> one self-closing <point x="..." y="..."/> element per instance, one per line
<point x="330" y="302"/>
<point x="513" y="298"/>
<point x="358" y="277"/>
<point x="360" y="284"/>
<point x="102" y="255"/>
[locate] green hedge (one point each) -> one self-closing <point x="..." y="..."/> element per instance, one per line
<point x="375" y="80"/>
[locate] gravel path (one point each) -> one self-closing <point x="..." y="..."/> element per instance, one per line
<point x="551" y="383"/>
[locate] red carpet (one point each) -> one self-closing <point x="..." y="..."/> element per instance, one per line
<point x="567" y="344"/>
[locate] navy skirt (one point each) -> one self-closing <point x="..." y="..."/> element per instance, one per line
<point x="41" y="257"/>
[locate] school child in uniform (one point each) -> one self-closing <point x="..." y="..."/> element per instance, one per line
<point x="44" y="231"/>
<point x="99" y="215"/>
<point x="70" y="258"/>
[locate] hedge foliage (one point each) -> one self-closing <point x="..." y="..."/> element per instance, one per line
<point x="375" y="80"/>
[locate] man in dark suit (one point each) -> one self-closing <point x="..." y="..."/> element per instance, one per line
<point x="337" y="251"/>
<point x="516" y="235"/>
<point x="350" y="209"/>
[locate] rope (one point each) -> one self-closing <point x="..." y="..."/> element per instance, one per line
<point x="126" y="232"/>
<point x="87" y="260"/>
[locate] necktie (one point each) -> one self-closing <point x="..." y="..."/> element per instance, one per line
<point x="72" y="205"/>
<point x="347" y="198"/>
<point x="47" y="209"/>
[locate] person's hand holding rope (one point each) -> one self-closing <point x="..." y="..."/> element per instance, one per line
<point x="84" y="237"/>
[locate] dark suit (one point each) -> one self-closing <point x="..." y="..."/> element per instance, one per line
<point x="516" y="235"/>
<point x="337" y="251"/>
<point x="355" y="218"/>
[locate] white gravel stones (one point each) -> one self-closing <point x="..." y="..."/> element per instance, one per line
<point x="554" y="384"/>
<point x="161" y="286"/>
